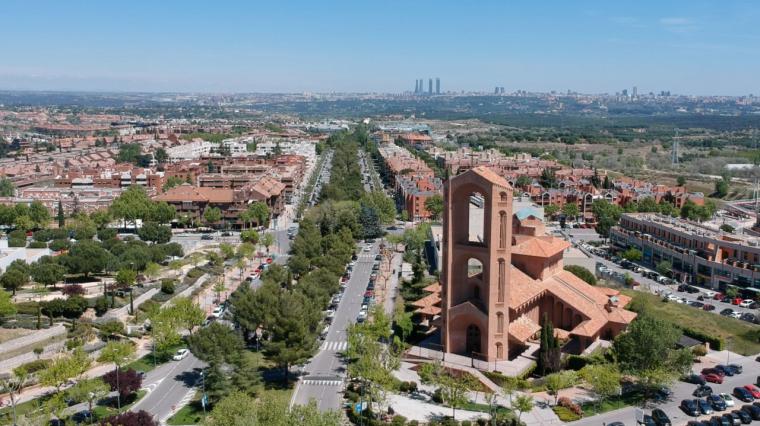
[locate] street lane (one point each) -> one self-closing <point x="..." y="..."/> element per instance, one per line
<point x="325" y="374"/>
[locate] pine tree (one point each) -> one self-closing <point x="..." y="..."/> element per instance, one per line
<point x="607" y="184"/>
<point x="61" y="219"/>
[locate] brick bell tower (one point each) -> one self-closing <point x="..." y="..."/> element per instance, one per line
<point x="477" y="240"/>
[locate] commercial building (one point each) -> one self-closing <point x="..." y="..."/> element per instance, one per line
<point x="698" y="254"/>
<point x="502" y="276"/>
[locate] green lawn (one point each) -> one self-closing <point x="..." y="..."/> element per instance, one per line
<point x="146" y="363"/>
<point x="190" y="414"/>
<point x="610" y="404"/>
<point x="740" y="336"/>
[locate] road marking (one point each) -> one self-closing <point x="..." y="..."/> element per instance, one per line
<point x="323" y="382"/>
<point x="334" y="346"/>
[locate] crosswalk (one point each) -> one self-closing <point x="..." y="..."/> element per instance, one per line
<point x="334" y="346"/>
<point x="309" y="382"/>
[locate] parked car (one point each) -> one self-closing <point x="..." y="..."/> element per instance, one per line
<point x="735" y="419"/>
<point x="695" y="379"/>
<point x="181" y="354"/>
<point x="218" y="312"/>
<point x="727" y="399"/>
<point x="743" y="395"/>
<point x="704" y="406"/>
<point x="752" y="410"/>
<point x="736" y="367"/>
<point x="689" y="406"/>
<point x="746" y="303"/>
<point x="713" y="378"/>
<point x="660" y="418"/>
<point x="717" y="402"/>
<point x="713" y="371"/>
<point x="753" y="390"/>
<point x="648" y="421"/>
<point x="727" y="312"/>
<point x="727" y="371"/>
<point x="702" y="391"/>
<point x="743" y="416"/>
<point x="736" y="301"/>
<point x="708" y="307"/>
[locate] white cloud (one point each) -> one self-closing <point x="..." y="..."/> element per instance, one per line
<point x="678" y="24"/>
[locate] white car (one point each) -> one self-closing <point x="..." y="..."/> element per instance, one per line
<point x="746" y="303"/>
<point x="728" y="400"/>
<point x="367" y="249"/>
<point x="709" y="293"/>
<point x="736" y="314"/>
<point x="673" y="298"/>
<point x="218" y="311"/>
<point x="324" y="332"/>
<point x="181" y="354"/>
<point x="362" y="316"/>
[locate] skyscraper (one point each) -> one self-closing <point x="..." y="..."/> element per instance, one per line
<point x="430" y="86"/>
<point x="635" y="91"/>
<point x="416" y="86"/>
<point x="437" y="86"/>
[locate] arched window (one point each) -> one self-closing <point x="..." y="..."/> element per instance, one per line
<point x="504" y="197"/>
<point x="499" y="322"/>
<point x="502" y="229"/>
<point x="499" y="350"/>
<point x="477" y="218"/>
<point x="501" y="281"/>
<point x="474" y="267"/>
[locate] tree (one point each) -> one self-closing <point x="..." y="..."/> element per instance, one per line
<point x="61" y="218"/>
<point x="523" y="404"/>
<point x="160" y="155"/>
<point x="13" y="385"/>
<point x="73" y="290"/>
<point x="186" y="313"/>
<point x="571" y="210"/>
<point x="237" y="408"/>
<point x="647" y="350"/>
<point x="64" y="368"/>
<point x="14" y="279"/>
<point x="7" y="189"/>
<point x="267" y="240"/>
<point x="250" y="236"/>
<point x="549" y="350"/>
<point x="551" y="210"/>
<point x="434" y="205"/>
<point x="681" y="180"/>
<point x="88" y="391"/>
<point x="603" y="378"/>
<point x="131" y="418"/>
<point x="101" y="218"/>
<point x="129" y="153"/>
<point x="219" y="288"/>
<point x="161" y="212"/>
<point x="217" y="342"/>
<point x="212" y="215"/>
<point x="370" y="222"/>
<point x="727" y="228"/>
<point x="111" y="329"/>
<point x="555" y="382"/>
<point x="259" y="212"/>
<point x="39" y="214"/>
<point x="582" y="273"/>
<point x="664" y="267"/>
<point x="131" y="205"/>
<point x="510" y="385"/>
<point x="125" y="383"/>
<point x="633" y="254"/>
<point x="119" y="353"/>
<point x="721" y="186"/>
<point x="607" y="215"/>
<point x="155" y="233"/>
<point x="47" y="273"/>
<point x="7" y="307"/>
<point x="86" y="257"/>
<point x="454" y="390"/>
<point x="172" y="181"/>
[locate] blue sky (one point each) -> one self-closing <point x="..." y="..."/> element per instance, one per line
<point x="691" y="47"/>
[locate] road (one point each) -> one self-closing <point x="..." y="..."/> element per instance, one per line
<point x="578" y="235"/>
<point x="325" y="373"/>
<point x="170" y="386"/>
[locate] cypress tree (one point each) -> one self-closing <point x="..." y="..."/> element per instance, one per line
<point x="61" y="219"/>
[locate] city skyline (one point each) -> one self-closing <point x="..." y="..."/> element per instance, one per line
<point x="683" y="47"/>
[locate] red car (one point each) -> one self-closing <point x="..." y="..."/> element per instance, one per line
<point x="712" y="378"/>
<point x="369" y="293"/>
<point x="269" y="260"/>
<point x="708" y="307"/>
<point x="706" y="371"/>
<point x="718" y="296"/>
<point x="753" y="390"/>
<point x="736" y="301"/>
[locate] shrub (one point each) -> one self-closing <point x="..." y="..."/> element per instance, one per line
<point x="17" y="235"/>
<point x="14" y="242"/>
<point x="716" y="343"/>
<point x="37" y="245"/>
<point x="699" y="351"/>
<point x="576" y="362"/>
<point x="438" y="396"/>
<point x="60" y="244"/>
<point x="565" y="414"/>
<point x="167" y="286"/>
<point x="570" y="405"/>
<point x="528" y="371"/>
<point x="71" y="344"/>
<point x="101" y="306"/>
<point x="582" y="273"/>
<point x="412" y="385"/>
<point x="465" y="423"/>
<point x="148" y="305"/>
<point x="32" y="367"/>
<point x="106" y="234"/>
<point x="398" y="420"/>
<point x="72" y="290"/>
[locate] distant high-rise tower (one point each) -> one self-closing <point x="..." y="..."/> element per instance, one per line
<point x="430" y="86"/>
<point x="635" y="91"/>
<point x="416" y="86"/>
<point x="625" y="93"/>
<point x="496" y="90"/>
<point x="437" y="86"/>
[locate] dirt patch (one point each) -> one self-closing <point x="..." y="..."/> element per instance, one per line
<point x="7" y="334"/>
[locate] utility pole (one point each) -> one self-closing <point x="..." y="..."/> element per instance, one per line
<point x="674" y="152"/>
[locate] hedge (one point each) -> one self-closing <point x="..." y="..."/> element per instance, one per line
<point x="716" y="343"/>
<point x="32" y="367"/>
<point x="37" y="245"/>
<point x="565" y="414"/>
<point x="15" y="242"/>
<point x="529" y="371"/>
